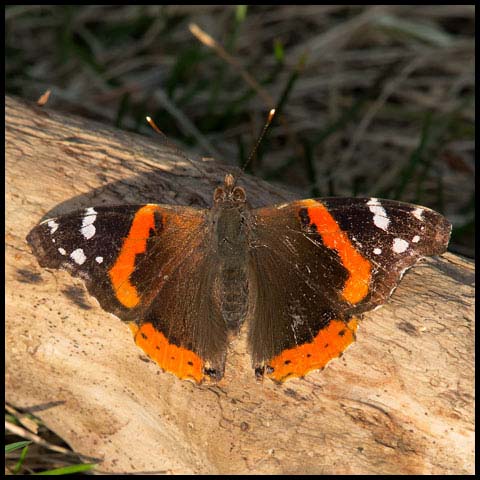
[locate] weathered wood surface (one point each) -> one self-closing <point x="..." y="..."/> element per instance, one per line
<point x="399" y="401"/>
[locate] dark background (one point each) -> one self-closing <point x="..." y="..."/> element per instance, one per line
<point x="374" y="100"/>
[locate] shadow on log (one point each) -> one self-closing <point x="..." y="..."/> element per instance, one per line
<point x="399" y="401"/>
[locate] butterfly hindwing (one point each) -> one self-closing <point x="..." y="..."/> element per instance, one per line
<point x="319" y="263"/>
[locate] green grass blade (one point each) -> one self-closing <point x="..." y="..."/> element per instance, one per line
<point x="290" y="83"/>
<point x="19" y="464"/>
<point x="241" y="13"/>
<point x="11" y="447"/>
<point x="421" y="31"/>
<point x="278" y="51"/>
<point x="415" y="159"/>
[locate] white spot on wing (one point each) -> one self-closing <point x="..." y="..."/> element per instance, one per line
<point x="53" y="225"/>
<point x="399" y="245"/>
<point x="416" y="239"/>
<point x="62" y="251"/>
<point x="99" y="259"/>
<point x="78" y="256"/>
<point x="380" y="218"/>
<point x="88" y="229"/>
<point x="377" y="251"/>
<point x="418" y="213"/>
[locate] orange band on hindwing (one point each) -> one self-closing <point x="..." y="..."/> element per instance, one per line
<point x="359" y="269"/>
<point x="134" y="244"/>
<point x="329" y="343"/>
<point x="184" y="363"/>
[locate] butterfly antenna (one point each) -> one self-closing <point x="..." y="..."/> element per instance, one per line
<point x="169" y="143"/>
<point x="44" y="98"/>
<point x="271" y="114"/>
<point x="154" y="126"/>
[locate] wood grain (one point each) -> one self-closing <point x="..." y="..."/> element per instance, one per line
<point x="400" y="400"/>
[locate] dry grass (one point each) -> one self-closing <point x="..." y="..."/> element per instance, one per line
<point x="373" y="100"/>
<point x="381" y="98"/>
<point x="42" y="450"/>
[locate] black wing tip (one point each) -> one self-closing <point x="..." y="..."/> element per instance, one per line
<point x="441" y="233"/>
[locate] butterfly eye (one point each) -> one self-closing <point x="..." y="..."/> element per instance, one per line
<point x="219" y="194"/>
<point x="239" y="194"/>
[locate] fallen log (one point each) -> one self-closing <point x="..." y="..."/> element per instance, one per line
<point x="399" y="401"/>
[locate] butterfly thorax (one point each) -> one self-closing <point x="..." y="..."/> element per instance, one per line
<point x="229" y="215"/>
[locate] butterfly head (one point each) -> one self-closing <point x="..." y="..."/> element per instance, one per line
<point x="229" y="194"/>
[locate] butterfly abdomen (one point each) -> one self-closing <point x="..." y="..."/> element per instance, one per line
<point x="234" y="295"/>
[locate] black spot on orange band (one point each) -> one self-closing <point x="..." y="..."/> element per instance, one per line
<point x="329" y="343"/>
<point x="184" y="363"/>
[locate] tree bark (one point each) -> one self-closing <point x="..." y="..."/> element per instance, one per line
<point x="400" y="400"/>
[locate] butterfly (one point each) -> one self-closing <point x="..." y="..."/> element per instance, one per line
<point x="297" y="275"/>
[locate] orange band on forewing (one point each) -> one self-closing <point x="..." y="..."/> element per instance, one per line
<point x="329" y="343"/>
<point x="134" y="244"/>
<point x="357" y="285"/>
<point x="182" y="362"/>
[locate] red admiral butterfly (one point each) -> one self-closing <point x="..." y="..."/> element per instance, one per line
<point x="187" y="278"/>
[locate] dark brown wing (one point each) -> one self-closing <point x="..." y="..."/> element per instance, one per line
<point x="150" y="265"/>
<point x="318" y="263"/>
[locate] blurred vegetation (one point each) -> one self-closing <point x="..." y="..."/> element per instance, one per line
<point x="42" y="453"/>
<point x="372" y="100"/>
